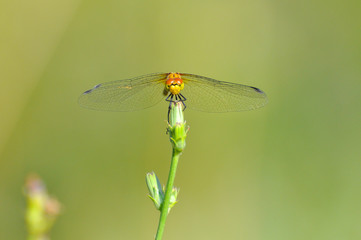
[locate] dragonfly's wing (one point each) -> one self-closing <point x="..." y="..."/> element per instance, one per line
<point x="210" y="95"/>
<point x="126" y="95"/>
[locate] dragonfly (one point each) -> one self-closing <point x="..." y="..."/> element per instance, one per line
<point x="194" y="91"/>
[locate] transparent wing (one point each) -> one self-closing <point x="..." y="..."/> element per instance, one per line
<point x="210" y="95"/>
<point x="126" y="95"/>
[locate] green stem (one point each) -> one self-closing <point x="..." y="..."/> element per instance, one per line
<point x="168" y="191"/>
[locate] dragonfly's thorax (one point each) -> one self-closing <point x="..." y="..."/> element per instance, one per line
<point x="174" y="83"/>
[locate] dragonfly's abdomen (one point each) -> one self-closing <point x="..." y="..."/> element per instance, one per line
<point x="174" y="83"/>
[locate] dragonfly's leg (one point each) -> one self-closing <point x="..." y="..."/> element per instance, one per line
<point x="170" y="100"/>
<point x="182" y="99"/>
<point x="184" y="105"/>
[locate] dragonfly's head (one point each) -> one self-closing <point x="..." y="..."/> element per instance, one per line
<point x="174" y="83"/>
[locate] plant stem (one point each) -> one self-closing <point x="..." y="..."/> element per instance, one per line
<point x="168" y="190"/>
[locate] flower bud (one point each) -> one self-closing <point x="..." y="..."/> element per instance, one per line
<point x="155" y="189"/>
<point x="177" y="127"/>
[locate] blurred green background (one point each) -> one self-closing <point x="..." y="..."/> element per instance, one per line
<point x="290" y="170"/>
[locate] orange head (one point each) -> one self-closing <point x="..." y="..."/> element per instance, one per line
<point x="174" y="83"/>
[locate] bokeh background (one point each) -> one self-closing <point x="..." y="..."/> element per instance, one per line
<point x="290" y="170"/>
